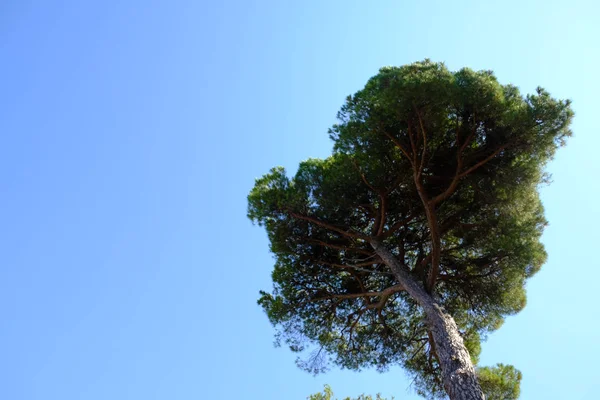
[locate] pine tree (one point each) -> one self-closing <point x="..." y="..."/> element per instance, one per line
<point x="414" y="239"/>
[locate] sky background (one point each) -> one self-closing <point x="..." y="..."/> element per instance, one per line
<point x="132" y="132"/>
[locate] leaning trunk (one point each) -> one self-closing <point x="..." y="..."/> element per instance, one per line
<point x="458" y="374"/>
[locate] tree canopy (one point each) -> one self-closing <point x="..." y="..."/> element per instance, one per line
<point x="442" y="169"/>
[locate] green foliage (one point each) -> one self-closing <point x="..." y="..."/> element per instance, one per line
<point x="328" y="395"/>
<point x="478" y="148"/>
<point x="501" y="382"/>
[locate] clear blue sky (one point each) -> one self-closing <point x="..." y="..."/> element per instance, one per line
<point x="132" y="132"/>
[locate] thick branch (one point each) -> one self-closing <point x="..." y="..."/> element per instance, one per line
<point x="459" y="175"/>
<point x="434" y="232"/>
<point x="363" y="177"/>
<point x="413" y="147"/>
<point x="399" y="145"/>
<point x="339" y="246"/>
<point x="362" y="264"/>
<point x="424" y="134"/>
<point x="399" y="224"/>
<point x="355" y="267"/>
<point x="382" y="214"/>
<point x="384" y="293"/>
<point x="420" y="266"/>
<point x="453" y="185"/>
<point x="326" y="225"/>
<point x="484" y="161"/>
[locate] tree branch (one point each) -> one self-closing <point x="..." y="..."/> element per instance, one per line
<point x="424" y="142"/>
<point x="384" y="297"/>
<point x="382" y="213"/>
<point x="459" y="175"/>
<point x="384" y="293"/>
<point x="484" y="161"/>
<point x="434" y="232"/>
<point x="412" y="146"/>
<point x="459" y="165"/>
<point x="356" y="267"/>
<point x="339" y="247"/>
<point x="363" y="177"/>
<point x="396" y="226"/>
<point x="326" y="225"/>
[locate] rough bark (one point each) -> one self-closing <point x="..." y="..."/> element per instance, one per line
<point x="458" y="373"/>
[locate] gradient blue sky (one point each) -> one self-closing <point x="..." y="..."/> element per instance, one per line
<point x="133" y="130"/>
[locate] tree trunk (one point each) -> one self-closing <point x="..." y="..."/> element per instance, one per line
<point x="458" y="373"/>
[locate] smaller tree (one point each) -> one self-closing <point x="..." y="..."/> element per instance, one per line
<point x="328" y="395"/>
<point x="501" y="382"/>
